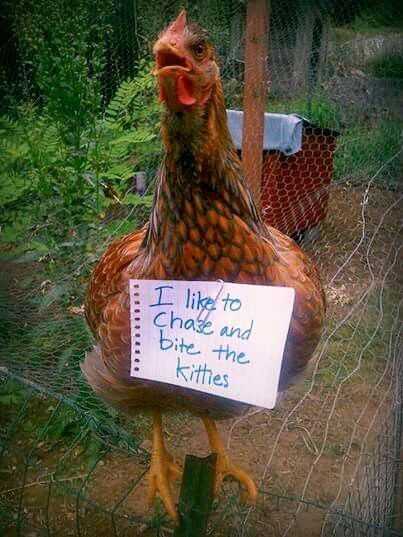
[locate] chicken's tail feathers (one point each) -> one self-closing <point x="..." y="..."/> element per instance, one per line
<point x="100" y="378"/>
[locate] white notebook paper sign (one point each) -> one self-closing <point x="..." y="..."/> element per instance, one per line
<point x="221" y="338"/>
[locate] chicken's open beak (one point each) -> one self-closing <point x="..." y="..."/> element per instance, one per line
<point x="173" y="70"/>
<point x="169" y="61"/>
<point x="174" y="67"/>
<point x="168" y="50"/>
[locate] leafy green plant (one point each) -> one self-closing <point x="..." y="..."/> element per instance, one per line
<point x="61" y="44"/>
<point x="57" y="41"/>
<point x="31" y="154"/>
<point x="127" y="140"/>
<point x="40" y="173"/>
<point x="11" y="394"/>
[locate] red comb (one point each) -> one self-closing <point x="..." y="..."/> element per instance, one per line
<point x="179" y="23"/>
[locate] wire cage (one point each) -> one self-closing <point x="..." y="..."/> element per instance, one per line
<point x="295" y="189"/>
<point x="84" y="113"/>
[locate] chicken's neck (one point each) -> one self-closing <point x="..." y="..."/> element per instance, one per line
<point x="201" y="166"/>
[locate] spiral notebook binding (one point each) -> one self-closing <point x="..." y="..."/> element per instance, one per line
<point x="136" y="326"/>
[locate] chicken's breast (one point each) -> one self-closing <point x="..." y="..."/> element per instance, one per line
<point x="239" y="255"/>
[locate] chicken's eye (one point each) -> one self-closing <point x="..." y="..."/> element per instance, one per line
<point x="199" y="49"/>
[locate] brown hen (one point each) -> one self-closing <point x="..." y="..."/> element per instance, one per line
<point x="204" y="226"/>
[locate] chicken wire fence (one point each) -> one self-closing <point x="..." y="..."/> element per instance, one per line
<point x="328" y="458"/>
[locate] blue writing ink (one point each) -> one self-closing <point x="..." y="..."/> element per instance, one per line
<point x="200" y="374"/>
<point x="165" y="343"/>
<point x="180" y="368"/>
<point x="200" y="326"/>
<point x="174" y="320"/>
<point x="195" y="301"/>
<point x="233" y="304"/>
<point x="242" y="359"/>
<point x="227" y="354"/>
<point x="157" y="324"/>
<point x="160" y="301"/>
<point x="204" y="327"/>
<point x="221" y="381"/>
<point x="217" y="380"/>
<point x="206" y="371"/>
<point x="178" y="345"/>
<point x="236" y="331"/>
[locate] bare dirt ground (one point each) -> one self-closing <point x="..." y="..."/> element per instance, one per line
<point x="310" y="447"/>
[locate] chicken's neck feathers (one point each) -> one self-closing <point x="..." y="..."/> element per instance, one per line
<point x="200" y="163"/>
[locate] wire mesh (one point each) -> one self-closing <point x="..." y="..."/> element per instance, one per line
<point x="328" y="458"/>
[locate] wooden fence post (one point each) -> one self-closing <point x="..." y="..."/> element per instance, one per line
<point x="257" y="24"/>
<point x="196" y="496"/>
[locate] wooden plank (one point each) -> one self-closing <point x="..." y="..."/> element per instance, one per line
<point x="196" y="496"/>
<point x="255" y="93"/>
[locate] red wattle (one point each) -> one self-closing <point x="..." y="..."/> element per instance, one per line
<point x="184" y="91"/>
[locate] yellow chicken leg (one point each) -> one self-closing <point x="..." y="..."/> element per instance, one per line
<point x="224" y="465"/>
<point x="162" y="471"/>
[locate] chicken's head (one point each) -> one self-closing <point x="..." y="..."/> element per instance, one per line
<point x="185" y="65"/>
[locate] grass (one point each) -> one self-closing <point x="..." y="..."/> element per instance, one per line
<point x="382" y="18"/>
<point x="378" y="17"/>
<point x="361" y="343"/>
<point x="387" y="66"/>
<point x="385" y="19"/>
<point x="363" y="151"/>
<point x="320" y="110"/>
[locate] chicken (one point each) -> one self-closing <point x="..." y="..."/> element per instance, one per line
<point x="203" y="226"/>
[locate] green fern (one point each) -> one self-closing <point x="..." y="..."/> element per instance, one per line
<point x="135" y="101"/>
<point x="29" y="147"/>
<point x="129" y="129"/>
<point x="124" y="145"/>
<point x="118" y="171"/>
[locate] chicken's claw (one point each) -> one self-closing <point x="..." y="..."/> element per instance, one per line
<point x="162" y="472"/>
<point x="160" y="475"/>
<point x="225" y="467"/>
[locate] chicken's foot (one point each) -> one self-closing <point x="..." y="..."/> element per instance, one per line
<point x="162" y="471"/>
<point x="225" y="467"/>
